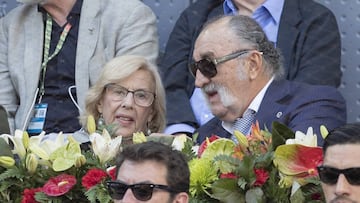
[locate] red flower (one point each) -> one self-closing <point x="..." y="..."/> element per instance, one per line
<point x="112" y="172"/>
<point x="93" y="177"/>
<point x="59" y="185"/>
<point x="29" y="195"/>
<point x="261" y="177"/>
<point x="205" y="143"/>
<point x="228" y="175"/>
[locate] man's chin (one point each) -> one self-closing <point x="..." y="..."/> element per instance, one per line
<point x="342" y="199"/>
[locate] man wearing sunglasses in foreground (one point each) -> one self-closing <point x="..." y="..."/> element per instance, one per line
<point x="240" y="74"/>
<point x="340" y="172"/>
<point x="150" y="172"/>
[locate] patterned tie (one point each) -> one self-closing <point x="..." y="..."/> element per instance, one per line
<point x="243" y="124"/>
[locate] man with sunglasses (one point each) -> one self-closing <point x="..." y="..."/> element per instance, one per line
<point x="305" y="31"/>
<point x="240" y="73"/>
<point x="340" y="172"/>
<point x="150" y="172"/>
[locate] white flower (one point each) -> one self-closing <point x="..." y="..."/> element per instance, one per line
<point x="43" y="148"/>
<point x="179" y="142"/>
<point x="309" y="139"/>
<point x="105" y="147"/>
<point x="20" y="140"/>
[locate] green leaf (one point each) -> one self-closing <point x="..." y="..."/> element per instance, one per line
<point x="255" y="195"/>
<point x="280" y="133"/>
<point x="297" y="197"/>
<point x="5" y="149"/>
<point x="227" y="191"/>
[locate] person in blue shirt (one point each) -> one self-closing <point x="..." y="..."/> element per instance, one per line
<point x="304" y="31"/>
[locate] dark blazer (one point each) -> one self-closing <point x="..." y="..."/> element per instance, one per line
<point x="297" y="105"/>
<point x="308" y="38"/>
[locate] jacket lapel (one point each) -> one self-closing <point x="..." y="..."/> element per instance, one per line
<point x="274" y="103"/>
<point x="288" y="32"/>
<point x="89" y="29"/>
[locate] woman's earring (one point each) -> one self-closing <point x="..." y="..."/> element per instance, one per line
<point x="148" y="128"/>
<point x="100" y="121"/>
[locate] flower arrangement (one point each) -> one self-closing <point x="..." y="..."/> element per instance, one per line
<point x="262" y="167"/>
<point x="36" y="169"/>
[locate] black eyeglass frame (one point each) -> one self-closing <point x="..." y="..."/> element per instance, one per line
<point x="351" y="177"/>
<point x="133" y="93"/>
<point x="133" y="188"/>
<point x="209" y="69"/>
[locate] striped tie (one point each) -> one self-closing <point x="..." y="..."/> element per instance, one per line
<point x="243" y="124"/>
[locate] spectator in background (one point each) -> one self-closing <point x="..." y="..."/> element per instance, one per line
<point x="151" y="172"/>
<point x="241" y="81"/>
<point x="129" y="94"/>
<point x="340" y="172"/>
<point x="50" y="48"/>
<point x="305" y="32"/>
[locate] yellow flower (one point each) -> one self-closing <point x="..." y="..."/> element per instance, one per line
<point x="139" y="137"/>
<point x="91" y="126"/>
<point x="66" y="156"/>
<point x="202" y="175"/>
<point x="31" y="163"/>
<point x="6" y="161"/>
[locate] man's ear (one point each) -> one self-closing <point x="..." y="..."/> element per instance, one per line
<point x="182" y="197"/>
<point x="255" y="61"/>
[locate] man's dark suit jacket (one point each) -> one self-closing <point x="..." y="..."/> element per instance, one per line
<point x="297" y="105"/>
<point x="308" y="38"/>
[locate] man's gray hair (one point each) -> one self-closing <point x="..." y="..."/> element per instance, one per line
<point x="248" y="31"/>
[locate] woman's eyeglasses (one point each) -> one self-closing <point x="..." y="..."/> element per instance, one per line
<point x="330" y="175"/>
<point x="207" y="66"/>
<point x="141" y="191"/>
<point x="141" y="97"/>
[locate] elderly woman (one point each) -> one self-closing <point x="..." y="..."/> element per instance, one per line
<point x="129" y="94"/>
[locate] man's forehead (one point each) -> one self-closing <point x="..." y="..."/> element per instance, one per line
<point x="343" y="155"/>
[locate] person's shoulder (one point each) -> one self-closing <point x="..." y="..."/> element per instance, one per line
<point x="310" y="8"/>
<point x="321" y="91"/>
<point x="19" y="15"/>
<point x="21" y="10"/>
<point x="119" y="4"/>
<point x="202" y="8"/>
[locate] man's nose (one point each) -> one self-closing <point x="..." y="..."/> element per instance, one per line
<point x="343" y="187"/>
<point x="201" y="80"/>
<point x="128" y="197"/>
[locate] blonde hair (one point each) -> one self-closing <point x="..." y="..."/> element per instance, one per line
<point x="118" y="69"/>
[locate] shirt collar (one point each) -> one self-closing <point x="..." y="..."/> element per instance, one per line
<point x="272" y="6"/>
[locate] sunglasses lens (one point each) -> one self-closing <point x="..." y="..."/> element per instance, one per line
<point x="117" y="190"/>
<point x="206" y="67"/>
<point x="353" y="176"/>
<point x="142" y="192"/>
<point x="328" y="175"/>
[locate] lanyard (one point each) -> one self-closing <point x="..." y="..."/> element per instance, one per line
<point x="46" y="57"/>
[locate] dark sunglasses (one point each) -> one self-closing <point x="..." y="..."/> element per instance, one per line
<point x="330" y="175"/>
<point x="141" y="191"/>
<point x="207" y="66"/>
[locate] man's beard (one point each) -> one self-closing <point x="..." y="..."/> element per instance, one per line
<point x="227" y="99"/>
<point x="31" y="1"/>
<point x="342" y="199"/>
